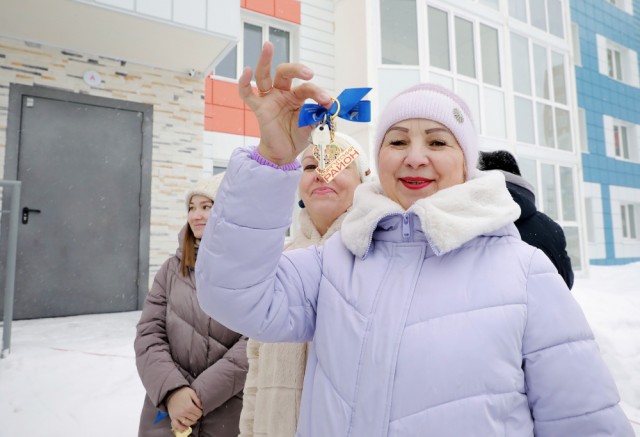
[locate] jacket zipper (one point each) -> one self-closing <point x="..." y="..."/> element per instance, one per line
<point x="407" y="225"/>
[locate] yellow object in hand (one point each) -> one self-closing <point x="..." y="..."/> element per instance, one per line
<point x="185" y="433"/>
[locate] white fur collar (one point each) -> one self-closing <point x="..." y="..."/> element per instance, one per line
<point x="449" y="218"/>
<point x="308" y="235"/>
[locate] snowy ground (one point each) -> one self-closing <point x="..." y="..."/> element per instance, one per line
<point x="76" y="376"/>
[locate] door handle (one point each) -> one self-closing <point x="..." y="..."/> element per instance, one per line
<point x="25" y="214"/>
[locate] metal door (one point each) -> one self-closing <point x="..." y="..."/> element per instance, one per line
<point x="81" y="167"/>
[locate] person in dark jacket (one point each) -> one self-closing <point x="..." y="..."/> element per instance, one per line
<point x="191" y="366"/>
<point x="535" y="227"/>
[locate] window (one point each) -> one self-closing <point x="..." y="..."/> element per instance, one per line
<point x="399" y="32"/>
<point x="577" y="56"/>
<point x="625" y="5"/>
<point x="217" y="169"/>
<point x="555" y="191"/>
<point x="464" y="55"/>
<point x="439" y="39"/>
<point x="248" y="50"/>
<point x="617" y="62"/>
<point x="490" y="55"/>
<point x="629" y="217"/>
<point x="621" y="139"/>
<point x="541" y="96"/>
<point x="614" y="64"/>
<point x="464" y="48"/>
<point x="546" y="15"/>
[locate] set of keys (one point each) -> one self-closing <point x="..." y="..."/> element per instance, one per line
<point x="331" y="158"/>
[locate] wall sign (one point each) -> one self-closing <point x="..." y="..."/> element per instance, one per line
<point x="92" y="78"/>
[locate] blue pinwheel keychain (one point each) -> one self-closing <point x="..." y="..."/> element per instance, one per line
<point x="331" y="158"/>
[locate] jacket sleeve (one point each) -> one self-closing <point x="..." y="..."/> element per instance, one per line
<point x="244" y="281"/>
<point x="569" y="388"/>
<point x="564" y="263"/>
<point x="156" y="368"/>
<point x="247" y="416"/>
<point x="224" y="379"/>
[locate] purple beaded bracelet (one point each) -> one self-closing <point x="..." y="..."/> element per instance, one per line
<point x="256" y="156"/>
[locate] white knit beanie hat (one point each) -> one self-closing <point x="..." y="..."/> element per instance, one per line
<point x="207" y="187"/>
<point x="432" y="102"/>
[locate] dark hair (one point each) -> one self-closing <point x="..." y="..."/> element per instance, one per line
<point x="498" y="160"/>
<point x="188" y="252"/>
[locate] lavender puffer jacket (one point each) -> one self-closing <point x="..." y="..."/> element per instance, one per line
<point x="435" y="321"/>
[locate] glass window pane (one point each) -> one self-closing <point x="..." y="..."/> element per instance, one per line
<point x="623" y="216"/>
<point x="549" y="201"/>
<point x="618" y="65"/>
<point x="469" y="93"/>
<point x="538" y="14"/>
<point x="573" y="246"/>
<point x="524" y="120"/>
<point x="541" y="71"/>
<point x="491" y="3"/>
<point x="610" y="62"/>
<point x="490" y="55"/>
<point x="494" y="122"/>
<point x="252" y="45"/>
<point x="563" y="130"/>
<point x="616" y="140"/>
<point x="555" y="18"/>
<point x="568" y="194"/>
<point x="399" y="32"/>
<point x="632" y="221"/>
<point x="228" y="67"/>
<point x="465" y="53"/>
<point x="588" y="211"/>
<point x="546" y="132"/>
<point x="520" y="66"/>
<point x="281" y="53"/>
<point x="518" y="9"/>
<point x="394" y="80"/>
<point x="529" y="173"/>
<point x="624" y="141"/>
<point x="441" y="79"/>
<point x="559" y="84"/>
<point x="439" y="39"/>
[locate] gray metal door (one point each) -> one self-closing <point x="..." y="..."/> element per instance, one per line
<point x="79" y="243"/>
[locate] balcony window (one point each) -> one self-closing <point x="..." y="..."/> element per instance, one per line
<point x="399" y="32"/>
<point x="249" y="49"/>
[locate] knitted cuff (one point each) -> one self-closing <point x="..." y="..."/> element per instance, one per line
<point x="264" y="161"/>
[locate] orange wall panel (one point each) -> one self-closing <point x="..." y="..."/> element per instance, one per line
<point x="266" y="7"/>
<point x="243" y="3"/>
<point x="288" y="10"/>
<point x="208" y="91"/>
<point x="225" y="119"/>
<point x="251" y="128"/>
<point x="226" y="94"/>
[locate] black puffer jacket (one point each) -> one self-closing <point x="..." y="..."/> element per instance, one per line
<point x="538" y="229"/>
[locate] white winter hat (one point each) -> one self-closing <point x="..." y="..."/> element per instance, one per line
<point x="207" y="187"/>
<point x="436" y="103"/>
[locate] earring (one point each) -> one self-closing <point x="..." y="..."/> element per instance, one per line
<point x="300" y="203"/>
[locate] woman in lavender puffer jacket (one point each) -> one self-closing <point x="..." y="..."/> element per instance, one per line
<point x="428" y="314"/>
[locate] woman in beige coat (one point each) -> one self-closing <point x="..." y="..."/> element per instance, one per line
<point x="191" y="366"/>
<point x="276" y="370"/>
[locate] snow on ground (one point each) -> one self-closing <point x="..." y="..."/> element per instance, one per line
<point x="76" y="376"/>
